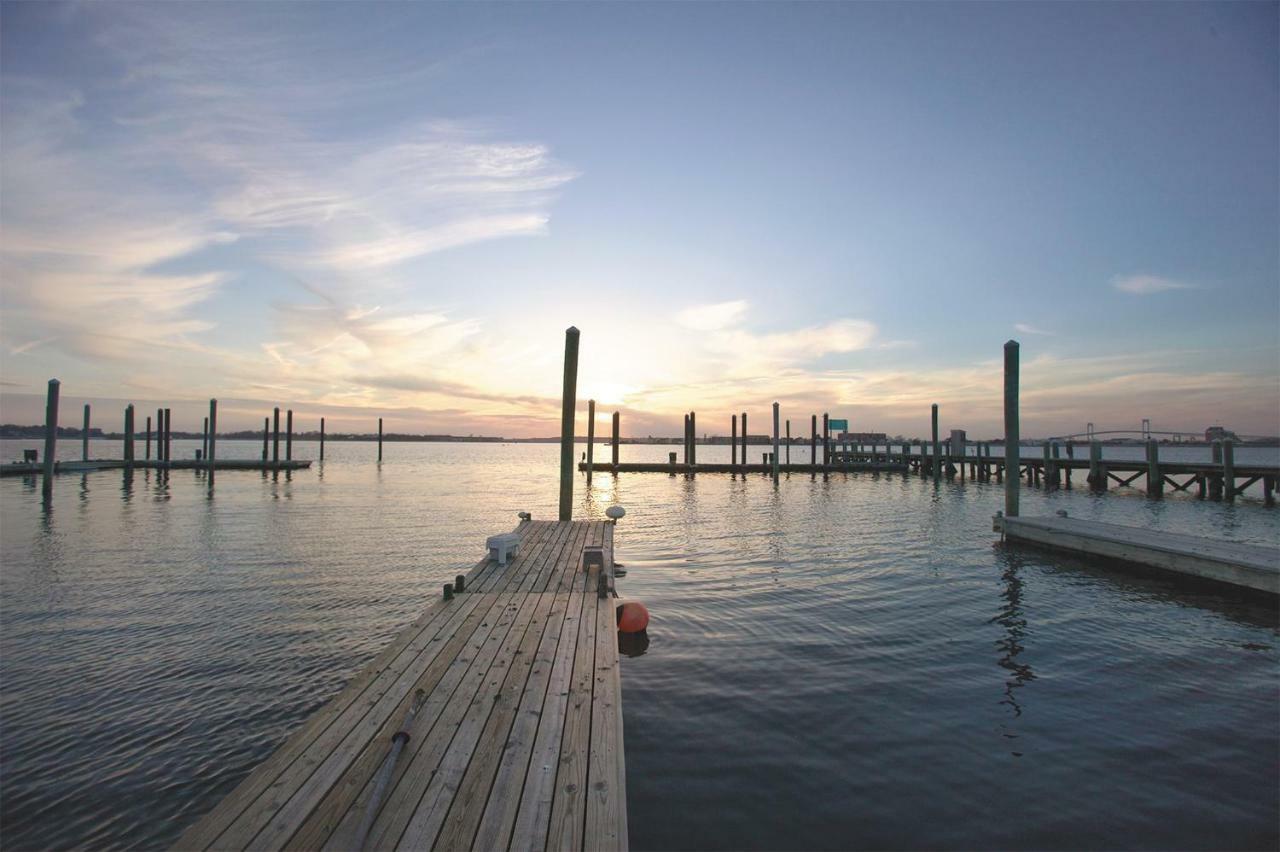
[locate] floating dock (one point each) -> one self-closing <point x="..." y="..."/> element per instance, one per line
<point x="1243" y="565"/>
<point x="517" y="743"/>
<point x="33" y="468"/>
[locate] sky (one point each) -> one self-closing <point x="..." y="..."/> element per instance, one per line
<point x="396" y="210"/>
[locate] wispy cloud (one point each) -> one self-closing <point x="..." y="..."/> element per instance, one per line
<point x="712" y="317"/>
<point x="1031" y="329"/>
<point x="1145" y="285"/>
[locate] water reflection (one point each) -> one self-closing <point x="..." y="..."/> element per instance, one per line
<point x="633" y="644"/>
<point x="1011" y="644"/>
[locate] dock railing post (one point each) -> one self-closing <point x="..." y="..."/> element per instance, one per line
<point x="128" y="433"/>
<point x="591" y="436"/>
<point x="1155" y="482"/>
<point x="617" y="429"/>
<point x="213" y="432"/>
<point x="1229" y="470"/>
<point x="275" y="436"/>
<point x="733" y="443"/>
<point x="84" y="435"/>
<point x="936" y="463"/>
<point x="380" y="444"/>
<point x="288" y="435"/>
<point x="568" y="410"/>
<point x="1011" y="436"/>
<point x="50" y="433"/>
<point x="774" y="458"/>
<point x="321" y="439"/>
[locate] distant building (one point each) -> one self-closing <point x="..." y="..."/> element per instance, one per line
<point x="862" y="437"/>
<point x="1219" y="433"/>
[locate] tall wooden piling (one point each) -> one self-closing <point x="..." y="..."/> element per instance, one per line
<point x="693" y="437"/>
<point x="774" y="458"/>
<point x="322" y="440"/>
<point x="1012" y="449"/>
<point x="788" y="440"/>
<point x="50" y="433"/>
<point x="1229" y="470"/>
<point x="1047" y="466"/>
<point x="568" y="410"/>
<point x="617" y="429"/>
<point x="813" y="440"/>
<point x="84" y="435"/>
<point x="288" y="435"/>
<point x="148" y="445"/>
<point x="204" y="440"/>
<point x="1071" y="455"/>
<point x="684" y="439"/>
<point x="168" y="435"/>
<point x="591" y="436"/>
<point x="936" y="463"/>
<point x="744" y="438"/>
<point x="1097" y="478"/>
<point x="1155" y="482"/>
<point x="275" y="436"/>
<point x="213" y="432"/>
<point x="380" y="446"/>
<point x="128" y="433"/>
<point x="733" y="443"/>
<point x="266" y="435"/>
<point x="159" y="434"/>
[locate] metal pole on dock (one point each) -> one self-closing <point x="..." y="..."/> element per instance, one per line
<point x="84" y="435"/>
<point x="936" y="464"/>
<point x="128" y="433"/>
<point x="275" y="436"/>
<point x="1011" y="437"/>
<point x="591" y="436"/>
<point x="568" y="409"/>
<point x="213" y="431"/>
<point x="380" y="442"/>
<point x="733" y="444"/>
<point x="617" y="430"/>
<point x="288" y="436"/>
<point x="147" y="457"/>
<point x="50" y="433"/>
<point x="321" y="439"/>
<point x="774" y="458"/>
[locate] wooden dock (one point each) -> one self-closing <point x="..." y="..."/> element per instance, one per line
<point x="32" y="469"/>
<point x="1243" y="565"/>
<point x="517" y="743"/>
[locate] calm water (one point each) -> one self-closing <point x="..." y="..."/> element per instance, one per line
<point x="851" y="663"/>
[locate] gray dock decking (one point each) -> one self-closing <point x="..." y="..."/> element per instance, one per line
<point x="1246" y="565"/>
<point x="518" y="744"/>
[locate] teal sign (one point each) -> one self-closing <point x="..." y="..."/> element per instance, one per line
<point x="839" y="425"/>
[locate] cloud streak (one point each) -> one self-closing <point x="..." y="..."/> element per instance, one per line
<point x="1146" y="285"/>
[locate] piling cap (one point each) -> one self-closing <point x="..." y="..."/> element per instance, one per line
<point x="615" y="512"/>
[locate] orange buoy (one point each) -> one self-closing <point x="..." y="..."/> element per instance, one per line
<point x="632" y="617"/>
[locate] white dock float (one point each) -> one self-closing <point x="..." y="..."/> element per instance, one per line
<point x="1247" y="565"/>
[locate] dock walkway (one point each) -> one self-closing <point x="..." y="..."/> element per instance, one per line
<point x="517" y="743"/>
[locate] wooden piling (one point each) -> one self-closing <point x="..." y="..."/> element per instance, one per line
<point x="288" y="435"/>
<point x="50" y="433"/>
<point x="322" y="442"/>
<point x="168" y="435"/>
<point x="1155" y="482"/>
<point x="775" y="442"/>
<point x="1215" y="479"/>
<point x="212" y="455"/>
<point x="1047" y="467"/>
<point x="1071" y="456"/>
<point x="1268" y="490"/>
<point x="266" y="434"/>
<point x="380" y="449"/>
<point x="148" y="446"/>
<point x="788" y="440"/>
<point x="1229" y="470"/>
<point x="204" y="439"/>
<point x="591" y="436"/>
<point x="159" y="434"/>
<point x="685" y="439"/>
<point x="813" y="440"/>
<point x="128" y="433"/>
<point x="1011" y="436"/>
<point x="275" y="435"/>
<point x="936" y="464"/>
<point x="733" y="443"/>
<point x="568" y="412"/>
<point x="84" y="435"/>
<point x="744" y="438"/>
<point x="1097" y="479"/>
<point x="693" y="437"/>
<point x="826" y="439"/>
<point x="617" y="423"/>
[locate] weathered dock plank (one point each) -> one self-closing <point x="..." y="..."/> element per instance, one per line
<point x="1248" y="566"/>
<point x="482" y="768"/>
